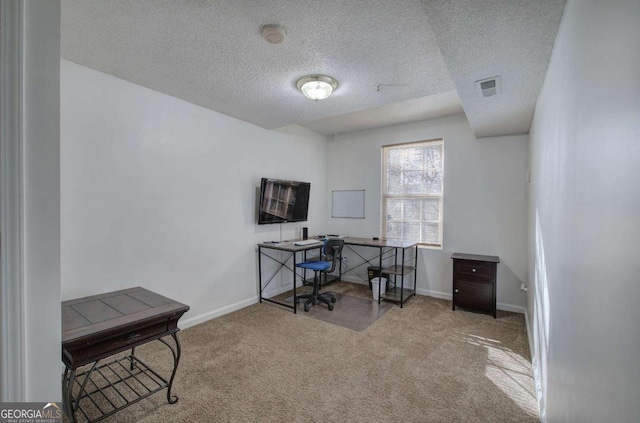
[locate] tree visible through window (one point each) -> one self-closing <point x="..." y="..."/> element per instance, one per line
<point x="412" y="192"/>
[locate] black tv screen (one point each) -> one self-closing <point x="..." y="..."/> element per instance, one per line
<point x="283" y="201"/>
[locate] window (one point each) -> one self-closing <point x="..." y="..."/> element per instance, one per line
<point x="412" y="192"/>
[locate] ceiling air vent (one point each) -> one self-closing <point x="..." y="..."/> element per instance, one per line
<point x="489" y="87"/>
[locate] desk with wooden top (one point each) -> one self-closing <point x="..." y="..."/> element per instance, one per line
<point x="400" y="267"/>
<point x="97" y="327"/>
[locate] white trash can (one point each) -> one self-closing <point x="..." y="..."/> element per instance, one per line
<point x="374" y="286"/>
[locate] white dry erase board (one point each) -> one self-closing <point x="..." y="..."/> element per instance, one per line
<point x="347" y="204"/>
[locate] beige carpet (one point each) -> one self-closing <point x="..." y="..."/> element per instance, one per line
<point x="421" y="363"/>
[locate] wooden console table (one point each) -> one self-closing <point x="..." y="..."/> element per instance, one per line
<point x="97" y="327"/>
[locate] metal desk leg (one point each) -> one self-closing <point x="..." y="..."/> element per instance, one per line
<point x="295" y="303"/>
<point x="380" y="277"/>
<point x="260" y="270"/>
<point x="401" y="279"/>
<point x="415" y="271"/>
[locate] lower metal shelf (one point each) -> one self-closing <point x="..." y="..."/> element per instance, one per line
<point x="112" y="386"/>
<point x="394" y="294"/>
<point x="102" y="389"/>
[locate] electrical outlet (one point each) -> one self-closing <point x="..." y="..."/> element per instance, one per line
<point x="523" y="286"/>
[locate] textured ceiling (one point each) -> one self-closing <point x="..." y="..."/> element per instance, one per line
<point x="385" y="55"/>
<point x="512" y="39"/>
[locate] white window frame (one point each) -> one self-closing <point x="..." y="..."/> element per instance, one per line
<point x="385" y="196"/>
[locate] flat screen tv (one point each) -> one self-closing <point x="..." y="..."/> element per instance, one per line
<point x="283" y="201"/>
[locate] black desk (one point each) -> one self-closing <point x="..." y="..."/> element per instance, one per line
<point x="293" y="250"/>
<point x="396" y="248"/>
<point x="400" y="267"/>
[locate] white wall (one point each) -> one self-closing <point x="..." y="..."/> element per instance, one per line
<point x="585" y="220"/>
<point x="485" y="198"/>
<point x="160" y="193"/>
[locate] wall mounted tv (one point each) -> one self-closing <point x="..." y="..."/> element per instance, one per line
<point x="283" y="201"/>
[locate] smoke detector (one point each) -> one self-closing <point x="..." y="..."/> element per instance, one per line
<point x="274" y="34"/>
<point x="489" y="87"/>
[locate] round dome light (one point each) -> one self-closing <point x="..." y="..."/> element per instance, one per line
<point x="274" y="34"/>
<point x="317" y="87"/>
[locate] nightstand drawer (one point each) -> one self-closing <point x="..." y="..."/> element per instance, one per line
<point x="475" y="269"/>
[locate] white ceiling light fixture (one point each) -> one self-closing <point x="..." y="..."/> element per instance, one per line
<point x="274" y="34"/>
<point x="317" y="87"/>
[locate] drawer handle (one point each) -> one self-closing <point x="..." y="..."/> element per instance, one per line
<point x="473" y="270"/>
<point x="133" y="336"/>
<point x="456" y="290"/>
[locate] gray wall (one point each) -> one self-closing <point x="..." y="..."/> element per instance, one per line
<point x="160" y="193"/>
<point x="585" y="218"/>
<point x="485" y="196"/>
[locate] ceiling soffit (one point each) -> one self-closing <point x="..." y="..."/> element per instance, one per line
<point x="506" y="38"/>
<point x="395" y="62"/>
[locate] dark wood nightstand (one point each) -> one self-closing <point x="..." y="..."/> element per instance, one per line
<point x="474" y="282"/>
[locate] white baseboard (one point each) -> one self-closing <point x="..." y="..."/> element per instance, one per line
<point x="512" y="308"/>
<point x="529" y="333"/>
<point x="353" y="279"/>
<point x="434" y="294"/>
<point x="278" y="291"/>
<point x="535" y="369"/>
<point x="201" y="318"/>
<point x="447" y="296"/>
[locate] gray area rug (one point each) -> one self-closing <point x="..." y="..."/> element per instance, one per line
<point x="350" y="312"/>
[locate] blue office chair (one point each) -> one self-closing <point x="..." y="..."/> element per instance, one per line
<point x="330" y="253"/>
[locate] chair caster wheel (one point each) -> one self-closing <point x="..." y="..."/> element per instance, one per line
<point x="330" y="307"/>
<point x="333" y="299"/>
<point x="306" y="308"/>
